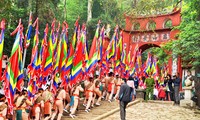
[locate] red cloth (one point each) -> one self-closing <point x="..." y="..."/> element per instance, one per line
<point x="161" y="93"/>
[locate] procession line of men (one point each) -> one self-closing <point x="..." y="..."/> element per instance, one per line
<point x="46" y="106"/>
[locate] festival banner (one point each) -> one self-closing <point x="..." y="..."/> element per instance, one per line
<point x="2" y="27"/>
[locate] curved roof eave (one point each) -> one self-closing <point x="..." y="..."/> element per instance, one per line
<point x="153" y="16"/>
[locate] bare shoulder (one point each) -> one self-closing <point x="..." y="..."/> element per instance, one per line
<point x="63" y="90"/>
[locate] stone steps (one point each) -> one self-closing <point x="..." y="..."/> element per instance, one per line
<point x="95" y="112"/>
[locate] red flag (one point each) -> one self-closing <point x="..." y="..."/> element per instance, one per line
<point x="78" y="57"/>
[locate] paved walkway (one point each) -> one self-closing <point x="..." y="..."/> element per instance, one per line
<point x="157" y="111"/>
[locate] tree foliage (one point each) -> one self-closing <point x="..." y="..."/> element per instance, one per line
<point x="187" y="45"/>
<point x="109" y="12"/>
<point x="151" y="7"/>
<point x="157" y="52"/>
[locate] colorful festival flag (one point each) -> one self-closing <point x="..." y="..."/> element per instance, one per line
<point x="71" y="50"/>
<point x="86" y="56"/>
<point x="148" y="63"/>
<point x="48" y="68"/>
<point x="93" y="56"/>
<point x="64" y="52"/>
<point x="12" y="69"/>
<point x="42" y="53"/>
<point x="2" y="27"/>
<point x="28" y="32"/>
<point x="101" y="38"/>
<point x="111" y="50"/>
<point x="33" y="66"/>
<point x="119" y="49"/>
<point x="78" y="57"/>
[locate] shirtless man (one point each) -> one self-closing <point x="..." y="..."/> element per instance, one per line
<point x="38" y="105"/>
<point x="3" y="107"/>
<point x="103" y="84"/>
<point x="22" y="103"/>
<point x="68" y="99"/>
<point x="59" y="97"/>
<point x="118" y="82"/>
<point x="89" y="87"/>
<point x="76" y="92"/>
<point x="97" y="90"/>
<point x="48" y="99"/>
<point x="17" y="93"/>
<point x="110" y="85"/>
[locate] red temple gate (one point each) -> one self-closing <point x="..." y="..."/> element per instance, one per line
<point x="153" y="31"/>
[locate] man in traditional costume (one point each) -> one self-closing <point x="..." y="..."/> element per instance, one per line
<point x="38" y="105"/>
<point x="89" y="87"/>
<point x="76" y="92"/>
<point x="110" y="85"/>
<point x="22" y="106"/>
<point x="48" y="100"/>
<point x="118" y="82"/>
<point x="97" y="90"/>
<point x="3" y="107"/>
<point x="58" y="102"/>
<point x="103" y="86"/>
<point x="67" y="99"/>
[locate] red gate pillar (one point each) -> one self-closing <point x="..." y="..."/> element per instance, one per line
<point x="170" y="65"/>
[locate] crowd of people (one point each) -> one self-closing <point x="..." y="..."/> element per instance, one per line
<point x="48" y="105"/>
<point x="168" y="89"/>
<point x="157" y="89"/>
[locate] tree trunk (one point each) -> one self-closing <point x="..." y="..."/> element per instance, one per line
<point x="89" y="17"/>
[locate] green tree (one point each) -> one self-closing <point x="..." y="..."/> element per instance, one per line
<point x="187" y="45"/>
<point x="158" y="52"/>
<point x="151" y="7"/>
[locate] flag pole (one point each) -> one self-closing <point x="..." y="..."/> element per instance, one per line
<point x="24" y="57"/>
